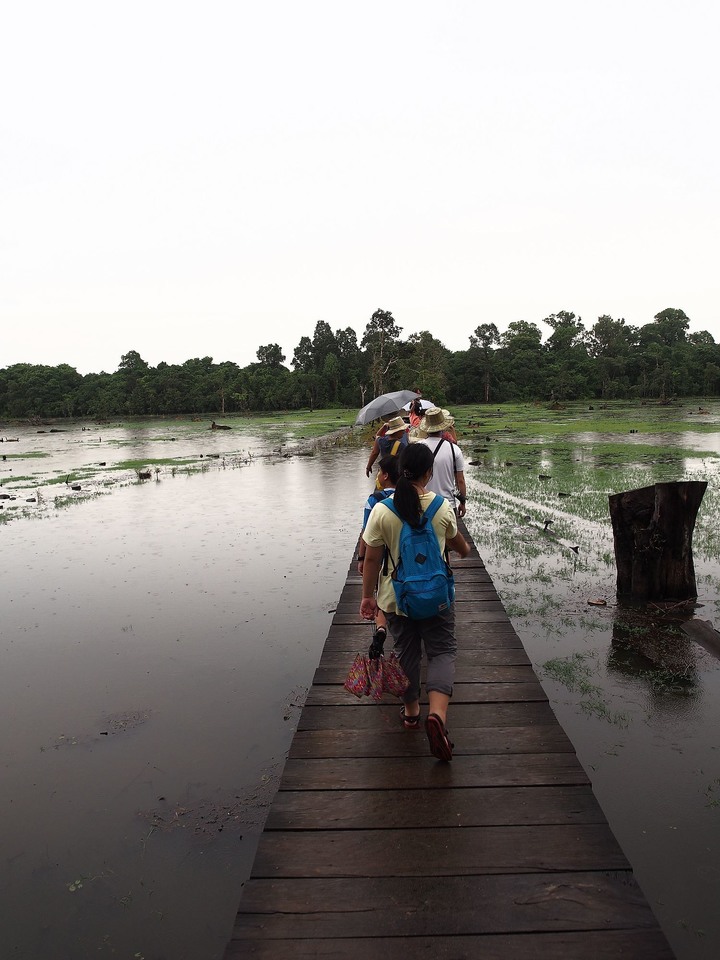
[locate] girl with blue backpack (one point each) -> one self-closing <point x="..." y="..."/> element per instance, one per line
<point x="405" y="557"/>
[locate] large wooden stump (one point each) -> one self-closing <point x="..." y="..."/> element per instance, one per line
<point x="653" y="528"/>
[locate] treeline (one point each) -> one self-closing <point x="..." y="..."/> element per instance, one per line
<point x="611" y="359"/>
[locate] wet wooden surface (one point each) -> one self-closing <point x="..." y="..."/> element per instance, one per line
<point x="373" y="848"/>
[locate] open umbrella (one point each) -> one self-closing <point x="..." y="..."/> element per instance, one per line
<point x="424" y="405"/>
<point x="384" y="405"/>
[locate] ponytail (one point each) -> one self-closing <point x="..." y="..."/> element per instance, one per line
<point x="415" y="461"/>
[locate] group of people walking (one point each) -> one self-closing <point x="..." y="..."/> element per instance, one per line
<point x="420" y="469"/>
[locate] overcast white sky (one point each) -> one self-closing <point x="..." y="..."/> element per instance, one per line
<point x="193" y="179"/>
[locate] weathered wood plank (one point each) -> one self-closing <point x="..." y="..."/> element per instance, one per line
<point x="455" y="906"/>
<point x="478" y="611"/>
<point x="353" y="714"/>
<point x="397" y="742"/>
<point x="466" y="672"/>
<point x="351" y="636"/>
<point x="483" y="656"/>
<point x="464" y="852"/>
<point x="593" y="944"/>
<point x="491" y="806"/>
<point x="462" y="693"/>
<point x="385" y="773"/>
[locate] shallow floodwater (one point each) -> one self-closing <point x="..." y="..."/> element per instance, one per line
<point x="639" y="699"/>
<point x="157" y="645"/>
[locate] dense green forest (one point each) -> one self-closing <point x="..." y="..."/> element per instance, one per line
<point x="611" y="359"/>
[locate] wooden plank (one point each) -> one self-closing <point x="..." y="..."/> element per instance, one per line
<point x="490" y="611"/>
<point x="499" y="634"/>
<point x="466" y="672"/>
<point x="408" y="773"/>
<point x="462" y="692"/>
<point x="597" y="945"/>
<point x="490" y="656"/>
<point x="491" y="806"/>
<point x="456" y="906"/>
<point x="462" y="852"/>
<point x="356" y="715"/>
<point x="593" y="944"/>
<point x="397" y="742"/>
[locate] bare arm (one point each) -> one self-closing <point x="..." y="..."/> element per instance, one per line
<point x="462" y="490"/>
<point x="370" y="574"/>
<point x="374" y="454"/>
<point x="459" y="544"/>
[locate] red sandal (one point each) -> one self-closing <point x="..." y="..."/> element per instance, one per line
<point x="440" y="744"/>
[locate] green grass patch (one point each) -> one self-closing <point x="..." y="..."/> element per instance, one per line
<point x="30" y="455"/>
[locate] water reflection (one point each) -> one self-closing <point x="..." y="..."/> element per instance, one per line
<point x="157" y="646"/>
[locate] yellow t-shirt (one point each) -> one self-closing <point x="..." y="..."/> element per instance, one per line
<point x="383" y="530"/>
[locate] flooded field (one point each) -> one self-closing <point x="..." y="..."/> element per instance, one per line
<point x="157" y="644"/>
<point x="639" y="699"/>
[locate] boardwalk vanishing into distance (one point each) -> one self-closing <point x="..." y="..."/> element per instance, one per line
<point x="374" y="849"/>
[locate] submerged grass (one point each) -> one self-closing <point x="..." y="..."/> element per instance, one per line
<point x="576" y="675"/>
<point x="538" y="488"/>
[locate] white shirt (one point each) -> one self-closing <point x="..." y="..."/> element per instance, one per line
<point x="442" y="480"/>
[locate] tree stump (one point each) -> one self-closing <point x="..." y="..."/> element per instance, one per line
<point x="652" y="529"/>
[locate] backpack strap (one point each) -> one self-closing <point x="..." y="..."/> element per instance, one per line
<point x="452" y="447"/>
<point x="395" y="448"/>
<point x="434" y="507"/>
<point x="389" y="503"/>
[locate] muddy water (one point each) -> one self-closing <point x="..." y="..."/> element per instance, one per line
<point x="156" y="648"/>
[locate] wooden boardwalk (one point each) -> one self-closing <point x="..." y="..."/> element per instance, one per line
<point x="373" y="849"/>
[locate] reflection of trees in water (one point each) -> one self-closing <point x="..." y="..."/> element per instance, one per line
<point x="649" y="645"/>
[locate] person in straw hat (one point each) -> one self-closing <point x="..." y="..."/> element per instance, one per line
<point x="389" y="441"/>
<point x="448" y="478"/>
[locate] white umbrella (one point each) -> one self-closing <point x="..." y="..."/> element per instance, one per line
<point x="424" y="404"/>
<point x="384" y="405"/>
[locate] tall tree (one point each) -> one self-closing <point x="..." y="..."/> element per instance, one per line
<point x="323" y="343"/>
<point x="270" y="355"/>
<point x="672" y="326"/>
<point x="610" y="343"/>
<point x="423" y="364"/>
<point x="521" y="363"/>
<point x="303" y="356"/>
<point x="567" y="367"/>
<point x="380" y="340"/>
<point x="482" y="346"/>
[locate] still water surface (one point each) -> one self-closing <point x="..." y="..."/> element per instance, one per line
<point x="157" y="645"/>
<point x="156" y="648"/>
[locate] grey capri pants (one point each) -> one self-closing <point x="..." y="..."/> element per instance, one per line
<point x="437" y="635"/>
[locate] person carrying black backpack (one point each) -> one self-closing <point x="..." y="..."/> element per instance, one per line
<point x="392" y="568"/>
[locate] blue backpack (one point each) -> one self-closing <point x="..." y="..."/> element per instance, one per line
<point x="422" y="578"/>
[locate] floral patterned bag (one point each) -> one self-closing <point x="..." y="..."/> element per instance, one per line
<point x="374" y="677"/>
<point x="357" y="680"/>
<point x="394" y="679"/>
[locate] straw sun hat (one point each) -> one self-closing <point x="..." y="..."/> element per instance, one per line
<point x="396" y="425"/>
<point x="436" y="420"/>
